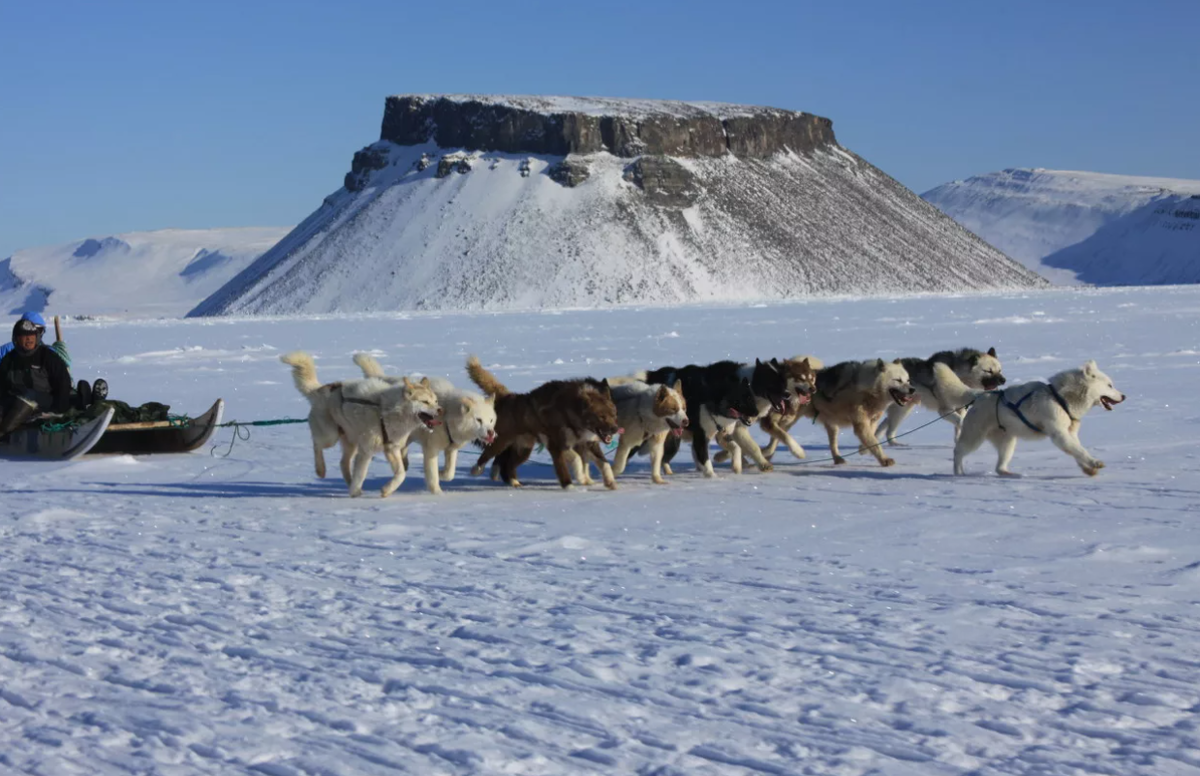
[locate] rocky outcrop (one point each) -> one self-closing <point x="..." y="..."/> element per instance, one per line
<point x="364" y="162"/>
<point x="569" y="172"/>
<point x="453" y="163"/>
<point x="559" y="126"/>
<point x="666" y="182"/>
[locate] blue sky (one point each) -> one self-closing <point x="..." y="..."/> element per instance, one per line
<point x="119" y="116"/>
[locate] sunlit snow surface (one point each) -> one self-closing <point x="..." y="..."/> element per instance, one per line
<point x="198" y="614"/>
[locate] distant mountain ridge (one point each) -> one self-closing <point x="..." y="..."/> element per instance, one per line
<point x="162" y="273"/>
<point x="498" y="203"/>
<point x="1083" y="227"/>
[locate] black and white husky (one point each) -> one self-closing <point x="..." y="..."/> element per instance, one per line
<point x="974" y="367"/>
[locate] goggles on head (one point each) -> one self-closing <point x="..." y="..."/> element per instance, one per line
<point x="29" y="327"/>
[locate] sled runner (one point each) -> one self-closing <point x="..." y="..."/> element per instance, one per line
<point x="101" y="435"/>
<point x="65" y="444"/>
<point x="160" y="436"/>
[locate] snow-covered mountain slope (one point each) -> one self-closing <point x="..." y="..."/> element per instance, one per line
<point x="1083" y="227"/>
<point x="428" y="227"/>
<point x="232" y="615"/>
<point x="162" y="273"/>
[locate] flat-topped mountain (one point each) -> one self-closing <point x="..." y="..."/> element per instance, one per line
<point x="472" y="202"/>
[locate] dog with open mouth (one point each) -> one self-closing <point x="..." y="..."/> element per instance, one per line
<point x="469" y="417"/>
<point x="1033" y="410"/>
<point x="856" y="394"/>
<point x="563" y="415"/>
<point x="801" y="374"/>
<point x="648" y="414"/>
<point x="367" y="416"/>
<point x="721" y="403"/>
<point x="975" y="368"/>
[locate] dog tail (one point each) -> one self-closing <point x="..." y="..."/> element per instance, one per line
<point x="951" y="391"/>
<point x="304" y="371"/>
<point x="637" y="377"/>
<point x="486" y="381"/>
<point x="368" y="364"/>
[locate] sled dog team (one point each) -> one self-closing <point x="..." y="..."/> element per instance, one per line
<point x="653" y="412"/>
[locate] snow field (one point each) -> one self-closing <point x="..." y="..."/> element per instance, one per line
<point x="198" y="614"/>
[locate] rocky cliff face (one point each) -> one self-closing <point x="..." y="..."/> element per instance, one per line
<point x="557" y="126"/>
<point x="489" y="203"/>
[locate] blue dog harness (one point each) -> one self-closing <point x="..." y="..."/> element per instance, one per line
<point x="1015" y="407"/>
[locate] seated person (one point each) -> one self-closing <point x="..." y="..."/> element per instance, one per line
<point x="83" y="395"/>
<point x="33" y="378"/>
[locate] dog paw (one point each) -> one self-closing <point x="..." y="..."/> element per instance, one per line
<point x="667" y="470"/>
<point x="766" y="466"/>
<point x="1093" y="468"/>
<point x="894" y="443"/>
<point x="476" y="470"/>
<point x="355" y="493"/>
<point x="838" y="460"/>
<point x="887" y="461"/>
<point x="721" y="457"/>
<point x="611" y="485"/>
<point x="658" y="480"/>
<point x="1007" y="473"/>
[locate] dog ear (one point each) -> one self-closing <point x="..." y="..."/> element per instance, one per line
<point x="746" y="381"/>
<point x="467" y="405"/>
<point x="425" y="381"/>
<point x="662" y="394"/>
<point x="408" y="385"/>
<point x="678" y="386"/>
<point x="992" y="352"/>
<point x="607" y="388"/>
<point x="879" y="365"/>
<point x="775" y="363"/>
<point x="1090" y="367"/>
<point x="897" y="361"/>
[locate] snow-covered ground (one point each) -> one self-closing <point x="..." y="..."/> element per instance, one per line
<point x="163" y="273"/>
<point x="1083" y="227"/>
<point x="203" y="614"/>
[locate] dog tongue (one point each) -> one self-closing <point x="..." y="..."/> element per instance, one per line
<point x="677" y="431"/>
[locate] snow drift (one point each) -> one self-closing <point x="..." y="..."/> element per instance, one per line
<point x="1083" y="227"/>
<point x="475" y="203"/>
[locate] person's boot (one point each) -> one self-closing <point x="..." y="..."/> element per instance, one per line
<point x="83" y="395"/>
<point x="18" y="414"/>
<point x="99" y="390"/>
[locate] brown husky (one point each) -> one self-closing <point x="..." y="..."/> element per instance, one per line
<point x="562" y="414"/>
<point x="855" y="394"/>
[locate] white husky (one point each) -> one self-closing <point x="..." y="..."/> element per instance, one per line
<point x="469" y="418"/>
<point x="1031" y="410"/>
<point x="366" y="416"/>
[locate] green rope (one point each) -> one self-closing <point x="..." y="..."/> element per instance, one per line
<point x="241" y="430"/>
<point x="281" y="422"/>
<point x="54" y="428"/>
